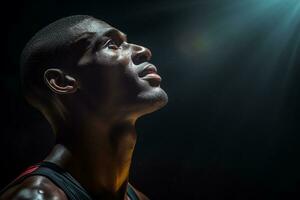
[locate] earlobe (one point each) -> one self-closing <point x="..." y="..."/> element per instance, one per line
<point x="59" y="82"/>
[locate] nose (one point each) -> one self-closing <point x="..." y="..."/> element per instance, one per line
<point x="140" y="54"/>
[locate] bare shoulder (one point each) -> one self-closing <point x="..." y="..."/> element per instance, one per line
<point x="34" y="188"/>
<point x="140" y="194"/>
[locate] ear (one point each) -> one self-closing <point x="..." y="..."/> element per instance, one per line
<point x="59" y="82"/>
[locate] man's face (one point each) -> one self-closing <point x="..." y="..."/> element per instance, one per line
<point x="115" y="76"/>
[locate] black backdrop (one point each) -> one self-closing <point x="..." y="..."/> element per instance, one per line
<point x="230" y="130"/>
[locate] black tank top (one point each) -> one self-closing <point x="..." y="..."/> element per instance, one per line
<point x="61" y="178"/>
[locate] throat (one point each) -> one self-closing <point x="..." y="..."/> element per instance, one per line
<point x="99" y="158"/>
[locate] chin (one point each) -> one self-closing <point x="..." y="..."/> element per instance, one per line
<point x="151" y="101"/>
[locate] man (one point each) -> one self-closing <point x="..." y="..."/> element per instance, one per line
<point x="91" y="85"/>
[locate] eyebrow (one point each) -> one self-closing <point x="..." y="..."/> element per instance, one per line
<point x="84" y="39"/>
<point x="115" y="33"/>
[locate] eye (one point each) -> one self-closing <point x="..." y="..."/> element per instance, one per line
<point x="111" y="44"/>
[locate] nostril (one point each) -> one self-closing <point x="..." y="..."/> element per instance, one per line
<point x="140" y="58"/>
<point x="140" y="54"/>
<point x="143" y="58"/>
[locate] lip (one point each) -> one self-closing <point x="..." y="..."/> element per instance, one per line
<point x="149" y="73"/>
<point x="152" y="76"/>
<point x="148" y="69"/>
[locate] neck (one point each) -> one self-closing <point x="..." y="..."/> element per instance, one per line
<point x="98" y="156"/>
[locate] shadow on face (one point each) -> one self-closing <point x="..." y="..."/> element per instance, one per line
<point x="109" y="76"/>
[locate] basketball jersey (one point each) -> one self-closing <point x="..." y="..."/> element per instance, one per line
<point x="61" y="178"/>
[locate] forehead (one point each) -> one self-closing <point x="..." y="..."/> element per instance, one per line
<point x="95" y="26"/>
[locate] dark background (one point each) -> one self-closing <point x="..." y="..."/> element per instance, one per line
<point x="231" y="70"/>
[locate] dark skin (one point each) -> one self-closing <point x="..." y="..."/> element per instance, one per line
<point x="97" y="104"/>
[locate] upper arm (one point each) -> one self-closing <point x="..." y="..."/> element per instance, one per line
<point x="34" y="188"/>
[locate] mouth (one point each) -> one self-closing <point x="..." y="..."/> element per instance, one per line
<point x="149" y="73"/>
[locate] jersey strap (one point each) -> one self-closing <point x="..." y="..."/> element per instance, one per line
<point x="61" y="178"/>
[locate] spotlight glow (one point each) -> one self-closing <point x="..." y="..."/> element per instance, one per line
<point x="269" y="25"/>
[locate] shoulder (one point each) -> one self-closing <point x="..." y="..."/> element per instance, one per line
<point x="34" y="188"/>
<point x="140" y="194"/>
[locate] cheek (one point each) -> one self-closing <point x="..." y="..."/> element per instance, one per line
<point x="109" y="57"/>
<point x="124" y="59"/>
<point x="118" y="70"/>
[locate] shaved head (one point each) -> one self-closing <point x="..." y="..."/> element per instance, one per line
<point x="80" y="64"/>
<point x="47" y="48"/>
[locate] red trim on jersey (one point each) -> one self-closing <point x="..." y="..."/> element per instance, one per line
<point x="27" y="171"/>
